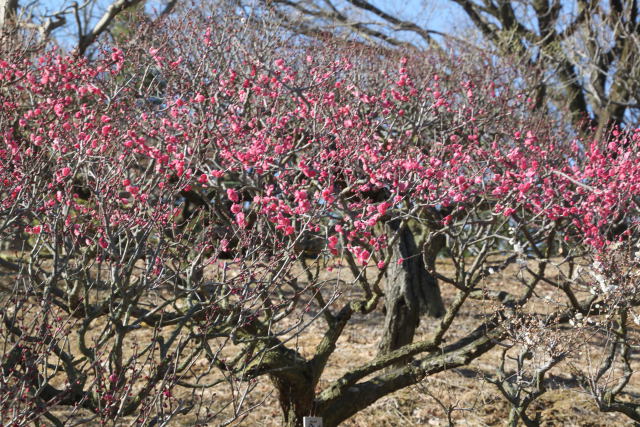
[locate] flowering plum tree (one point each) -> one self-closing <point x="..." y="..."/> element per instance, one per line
<point x="179" y="211"/>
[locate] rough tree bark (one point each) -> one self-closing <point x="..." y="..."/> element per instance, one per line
<point x="290" y="373"/>
<point x="296" y="398"/>
<point x="410" y="292"/>
<point x="7" y="12"/>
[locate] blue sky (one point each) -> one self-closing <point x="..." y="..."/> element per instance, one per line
<point x="439" y="15"/>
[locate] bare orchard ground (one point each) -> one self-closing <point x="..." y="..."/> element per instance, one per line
<point x="463" y="394"/>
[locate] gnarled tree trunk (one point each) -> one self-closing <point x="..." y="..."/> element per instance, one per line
<point x="296" y="400"/>
<point x="411" y="291"/>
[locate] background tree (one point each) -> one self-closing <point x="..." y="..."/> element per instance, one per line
<point x="75" y="24"/>
<point x="586" y="51"/>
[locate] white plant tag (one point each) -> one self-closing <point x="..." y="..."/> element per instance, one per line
<point x="312" y="422"/>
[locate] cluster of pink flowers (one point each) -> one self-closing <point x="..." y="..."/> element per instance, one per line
<point x="310" y="143"/>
